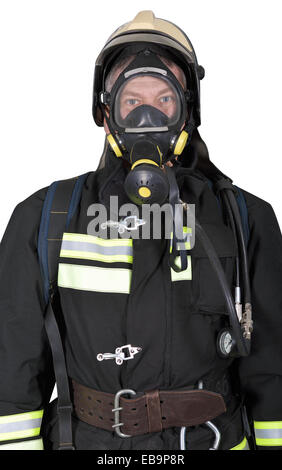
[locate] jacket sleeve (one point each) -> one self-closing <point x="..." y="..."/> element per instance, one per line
<point x="26" y="372"/>
<point x="261" y="371"/>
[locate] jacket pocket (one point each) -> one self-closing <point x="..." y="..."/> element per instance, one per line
<point x="208" y="295"/>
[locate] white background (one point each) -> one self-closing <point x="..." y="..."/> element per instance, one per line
<point x="48" y="51"/>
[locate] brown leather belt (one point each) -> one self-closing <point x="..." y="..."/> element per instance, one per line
<point x="151" y="412"/>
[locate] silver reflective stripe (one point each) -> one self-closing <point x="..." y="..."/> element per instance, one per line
<point x="268" y="433"/>
<point x="145" y="70"/>
<point x="145" y="129"/>
<point x="95" y="248"/>
<point x="20" y="425"/>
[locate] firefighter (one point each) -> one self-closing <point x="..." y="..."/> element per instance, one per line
<point x="154" y="343"/>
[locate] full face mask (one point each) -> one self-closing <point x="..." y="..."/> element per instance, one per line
<point x="148" y="124"/>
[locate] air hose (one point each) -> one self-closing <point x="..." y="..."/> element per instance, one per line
<point x="241" y="331"/>
<point x="232" y="206"/>
<point x="243" y="345"/>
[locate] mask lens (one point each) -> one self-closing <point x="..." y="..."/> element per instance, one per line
<point x="147" y="102"/>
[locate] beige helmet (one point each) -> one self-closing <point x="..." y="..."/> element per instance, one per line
<point x="145" y="28"/>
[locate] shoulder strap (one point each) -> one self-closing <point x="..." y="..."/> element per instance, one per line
<point x="59" y="206"/>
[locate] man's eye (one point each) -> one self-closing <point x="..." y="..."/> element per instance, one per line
<point x="131" y="101"/>
<point x="166" y="99"/>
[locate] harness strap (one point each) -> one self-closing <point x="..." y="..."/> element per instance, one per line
<point x="59" y="206"/>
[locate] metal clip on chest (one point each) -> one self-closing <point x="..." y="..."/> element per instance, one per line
<point x="123" y="353"/>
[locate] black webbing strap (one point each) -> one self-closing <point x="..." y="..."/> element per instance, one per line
<point x="60" y="203"/>
<point x="177" y="223"/>
<point x="57" y="225"/>
<point x="64" y="406"/>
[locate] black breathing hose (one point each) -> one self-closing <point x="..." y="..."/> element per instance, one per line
<point x="228" y="192"/>
<point x="242" y="344"/>
<point x="234" y="207"/>
<point x="239" y="331"/>
<point x="233" y="227"/>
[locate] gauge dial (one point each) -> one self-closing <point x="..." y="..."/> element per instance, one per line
<point x="225" y="342"/>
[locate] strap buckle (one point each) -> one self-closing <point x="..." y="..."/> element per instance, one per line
<point x="116" y="410"/>
<point x="66" y="446"/>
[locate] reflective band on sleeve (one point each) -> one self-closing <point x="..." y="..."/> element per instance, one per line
<point x="20" y="426"/>
<point x="268" y="433"/>
<point x="94" y="278"/>
<point x="84" y="246"/>
<point x="185" y="275"/>
<point x="34" y="444"/>
<point x="242" y="446"/>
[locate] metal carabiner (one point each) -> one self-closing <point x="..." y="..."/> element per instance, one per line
<point x="216" y="433"/>
<point x="117" y="409"/>
<point x="211" y="426"/>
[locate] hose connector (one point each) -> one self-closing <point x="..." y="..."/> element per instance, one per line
<point x="247" y="322"/>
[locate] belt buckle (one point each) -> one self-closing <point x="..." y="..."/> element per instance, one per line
<point x="116" y="410"/>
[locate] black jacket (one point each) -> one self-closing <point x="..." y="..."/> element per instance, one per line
<point x="176" y="322"/>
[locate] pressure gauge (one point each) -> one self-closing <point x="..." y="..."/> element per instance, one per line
<point x="225" y="343"/>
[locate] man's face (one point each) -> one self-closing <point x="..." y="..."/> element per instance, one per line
<point x="147" y="90"/>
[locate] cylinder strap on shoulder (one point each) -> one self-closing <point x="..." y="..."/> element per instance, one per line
<point x="59" y="206"/>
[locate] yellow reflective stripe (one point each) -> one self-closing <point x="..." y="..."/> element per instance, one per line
<point x="185" y="275"/>
<point x="82" y="237"/>
<point x="9" y="436"/>
<point x="268" y="442"/>
<point x="242" y="446"/>
<point x="94" y="278"/>
<point x="95" y="256"/>
<point x="268" y="424"/>
<point x="34" y="444"/>
<point x="268" y="433"/>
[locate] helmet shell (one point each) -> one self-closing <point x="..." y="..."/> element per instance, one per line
<point x="146" y="29"/>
